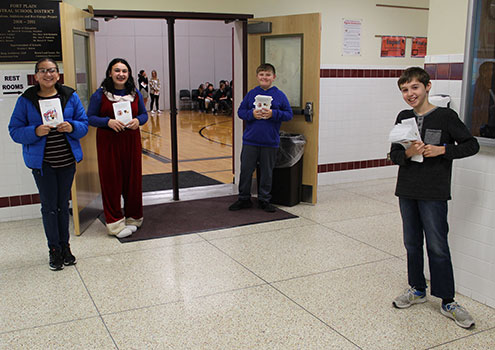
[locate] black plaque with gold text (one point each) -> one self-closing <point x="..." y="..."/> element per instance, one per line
<point x="29" y="30"/>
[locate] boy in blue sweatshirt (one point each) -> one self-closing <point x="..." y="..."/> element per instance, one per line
<point x="261" y="138"/>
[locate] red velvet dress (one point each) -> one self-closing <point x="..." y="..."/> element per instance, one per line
<point x="119" y="163"/>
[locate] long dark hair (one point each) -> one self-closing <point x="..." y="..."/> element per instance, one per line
<point x="107" y="83"/>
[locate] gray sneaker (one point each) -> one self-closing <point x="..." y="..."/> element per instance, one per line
<point x="459" y="314"/>
<point x="409" y="297"/>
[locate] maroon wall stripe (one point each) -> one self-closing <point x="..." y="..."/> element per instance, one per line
<point x="437" y="71"/>
<point x="14" y="201"/>
<point x="360" y="73"/>
<point x="354" y="165"/>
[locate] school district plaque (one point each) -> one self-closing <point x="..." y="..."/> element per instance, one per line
<point x="30" y="30"/>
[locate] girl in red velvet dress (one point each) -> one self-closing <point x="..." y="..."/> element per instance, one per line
<point x="119" y="148"/>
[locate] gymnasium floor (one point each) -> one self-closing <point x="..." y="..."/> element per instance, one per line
<point x="204" y="144"/>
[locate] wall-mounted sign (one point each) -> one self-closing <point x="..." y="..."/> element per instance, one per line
<point x="418" y="47"/>
<point x="30" y="30"/>
<point x="13" y="83"/>
<point x="393" y="46"/>
<point x="351" y="42"/>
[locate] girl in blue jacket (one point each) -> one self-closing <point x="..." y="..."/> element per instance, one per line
<point x="51" y="152"/>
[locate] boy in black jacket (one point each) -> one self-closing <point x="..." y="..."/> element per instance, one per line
<point x="423" y="190"/>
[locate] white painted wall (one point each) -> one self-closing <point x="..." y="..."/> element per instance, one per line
<point x="447" y="39"/>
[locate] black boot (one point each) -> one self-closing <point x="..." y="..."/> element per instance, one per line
<point x="56" y="260"/>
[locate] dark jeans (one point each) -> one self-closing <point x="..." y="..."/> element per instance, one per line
<point x="154" y="99"/>
<point x="54" y="186"/>
<point x="251" y="156"/>
<point x="430" y="217"/>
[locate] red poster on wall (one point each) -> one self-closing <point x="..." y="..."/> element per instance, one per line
<point x="418" y="47"/>
<point x="393" y="46"/>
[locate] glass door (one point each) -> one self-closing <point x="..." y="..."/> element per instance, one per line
<point x="81" y="52"/>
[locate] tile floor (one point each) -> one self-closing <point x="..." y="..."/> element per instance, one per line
<point x="322" y="281"/>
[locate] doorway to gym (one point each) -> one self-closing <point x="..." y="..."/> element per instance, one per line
<point x="204" y="52"/>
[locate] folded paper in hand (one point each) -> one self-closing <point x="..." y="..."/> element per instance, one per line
<point x="262" y="101"/>
<point x="51" y="112"/>
<point x="122" y="111"/>
<point x="405" y="133"/>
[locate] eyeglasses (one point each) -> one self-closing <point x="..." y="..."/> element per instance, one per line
<point x="47" y="70"/>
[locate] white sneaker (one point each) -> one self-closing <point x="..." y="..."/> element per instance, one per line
<point x="124" y="233"/>
<point x="133" y="228"/>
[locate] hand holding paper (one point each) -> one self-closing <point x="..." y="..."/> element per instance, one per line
<point x="122" y="111"/>
<point x="51" y="112"/>
<point x="405" y="133"/>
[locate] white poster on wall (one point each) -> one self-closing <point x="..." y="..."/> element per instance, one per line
<point x="351" y="43"/>
<point x="13" y="83"/>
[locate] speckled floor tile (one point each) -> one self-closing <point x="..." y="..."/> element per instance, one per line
<point x="23" y="245"/>
<point x="357" y="302"/>
<point x="96" y="242"/>
<point x="254" y="318"/>
<point x="325" y="188"/>
<point x="367" y="183"/>
<point x="85" y="334"/>
<point x="32" y="248"/>
<point x="257" y="228"/>
<point x="480" y="341"/>
<point x="383" y="232"/>
<point x="18" y="225"/>
<point x="384" y="192"/>
<point x="341" y="205"/>
<point x="298" y="251"/>
<point x="36" y="296"/>
<point x="149" y="277"/>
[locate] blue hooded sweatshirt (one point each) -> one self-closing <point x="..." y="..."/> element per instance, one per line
<point x="264" y="132"/>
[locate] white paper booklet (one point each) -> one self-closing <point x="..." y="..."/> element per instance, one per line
<point x="263" y="101"/>
<point x="51" y="111"/>
<point x="405" y="133"/>
<point x="122" y="111"/>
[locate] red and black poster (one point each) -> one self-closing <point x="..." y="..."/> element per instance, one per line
<point x="419" y="47"/>
<point x="393" y="46"/>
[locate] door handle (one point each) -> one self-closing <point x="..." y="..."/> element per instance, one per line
<point x="307" y="112"/>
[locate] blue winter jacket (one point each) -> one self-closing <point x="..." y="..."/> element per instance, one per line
<point x="26" y="117"/>
<point x="264" y="132"/>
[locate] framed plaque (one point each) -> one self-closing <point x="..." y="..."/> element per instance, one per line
<point x="30" y="30"/>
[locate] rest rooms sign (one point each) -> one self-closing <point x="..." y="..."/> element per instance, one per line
<point x="30" y="30"/>
<point x="13" y="83"/>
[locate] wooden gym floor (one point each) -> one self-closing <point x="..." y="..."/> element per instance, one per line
<point x="204" y="144"/>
